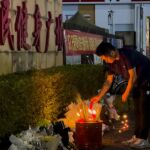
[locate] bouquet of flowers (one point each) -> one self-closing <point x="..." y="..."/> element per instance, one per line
<point x="80" y="112"/>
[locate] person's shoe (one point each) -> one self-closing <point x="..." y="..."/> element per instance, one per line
<point x="130" y="141"/>
<point x="140" y="144"/>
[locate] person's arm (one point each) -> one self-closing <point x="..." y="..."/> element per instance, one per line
<point x="131" y="81"/>
<point x="105" y="88"/>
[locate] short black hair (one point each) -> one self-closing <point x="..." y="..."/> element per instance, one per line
<point x="104" y="48"/>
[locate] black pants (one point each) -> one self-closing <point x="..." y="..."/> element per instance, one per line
<point x="141" y="97"/>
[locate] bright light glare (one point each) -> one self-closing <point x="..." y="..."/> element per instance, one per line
<point x="94" y="112"/>
<point x="125" y="116"/>
<point x="78" y="114"/>
<point x="90" y="111"/>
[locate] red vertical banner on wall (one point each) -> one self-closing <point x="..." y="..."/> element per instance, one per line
<point x="21" y="27"/>
<point x="4" y="24"/>
<point x="37" y="28"/>
<point x="59" y="32"/>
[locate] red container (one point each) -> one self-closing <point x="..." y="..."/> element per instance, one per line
<point x="88" y="135"/>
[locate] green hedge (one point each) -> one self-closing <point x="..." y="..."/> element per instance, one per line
<point x="35" y="97"/>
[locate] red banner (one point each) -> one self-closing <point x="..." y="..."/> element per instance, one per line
<point x="92" y="0"/>
<point x="81" y="43"/>
<point x="140" y="0"/>
<point x="71" y="1"/>
<point x="83" y="1"/>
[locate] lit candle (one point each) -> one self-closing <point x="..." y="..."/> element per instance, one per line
<point x="125" y="116"/>
<point x="78" y="114"/>
<point x="94" y="112"/>
<point x="90" y="111"/>
<point x="119" y="131"/>
<point x="122" y="122"/>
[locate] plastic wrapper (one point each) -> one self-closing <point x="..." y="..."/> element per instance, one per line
<point x="13" y="147"/>
<point x="50" y="142"/>
<point x="20" y="144"/>
<point x="80" y="112"/>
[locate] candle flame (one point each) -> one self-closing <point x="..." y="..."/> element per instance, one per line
<point x="125" y="116"/>
<point x="122" y="122"/>
<point x="78" y="114"/>
<point x="119" y="131"/>
<point x="94" y="112"/>
<point x="90" y="111"/>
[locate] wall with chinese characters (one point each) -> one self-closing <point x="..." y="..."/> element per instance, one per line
<point x="31" y="35"/>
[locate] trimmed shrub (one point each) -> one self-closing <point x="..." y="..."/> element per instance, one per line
<point x="37" y="97"/>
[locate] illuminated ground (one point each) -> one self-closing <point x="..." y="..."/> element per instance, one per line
<point x="112" y="139"/>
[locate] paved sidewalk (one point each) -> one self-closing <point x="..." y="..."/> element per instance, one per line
<point x="116" y="148"/>
<point x="110" y="144"/>
<point x="112" y="140"/>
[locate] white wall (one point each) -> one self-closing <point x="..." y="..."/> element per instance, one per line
<point x="114" y="1"/>
<point x="146" y="13"/>
<point x="101" y="15"/>
<point x="140" y="26"/>
<point x="71" y="60"/>
<point x="123" y="16"/>
<point x="126" y="17"/>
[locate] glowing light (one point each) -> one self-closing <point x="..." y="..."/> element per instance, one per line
<point x="94" y="112"/>
<point x="81" y="120"/>
<point x="120" y="131"/>
<point x="78" y="114"/>
<point x="90" y="111"/>
<point x="125" y="116"/>
<point x="90" y="119"/>
<point x="122" y="122"/>
<point x="125" y="125"/>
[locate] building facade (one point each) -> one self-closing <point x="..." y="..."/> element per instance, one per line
<point x="30" y="35"/>
<point x="128" y="18"/>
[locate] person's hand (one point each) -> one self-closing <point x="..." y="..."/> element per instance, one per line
<point x="94" y="100"/>
<point x="124" y="97"/>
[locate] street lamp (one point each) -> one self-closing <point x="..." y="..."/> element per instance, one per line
<point x="110" y="18"/>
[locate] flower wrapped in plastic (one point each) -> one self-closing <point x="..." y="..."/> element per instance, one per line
<point x="80" y="112"/>
<point x="50" y="142"/>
